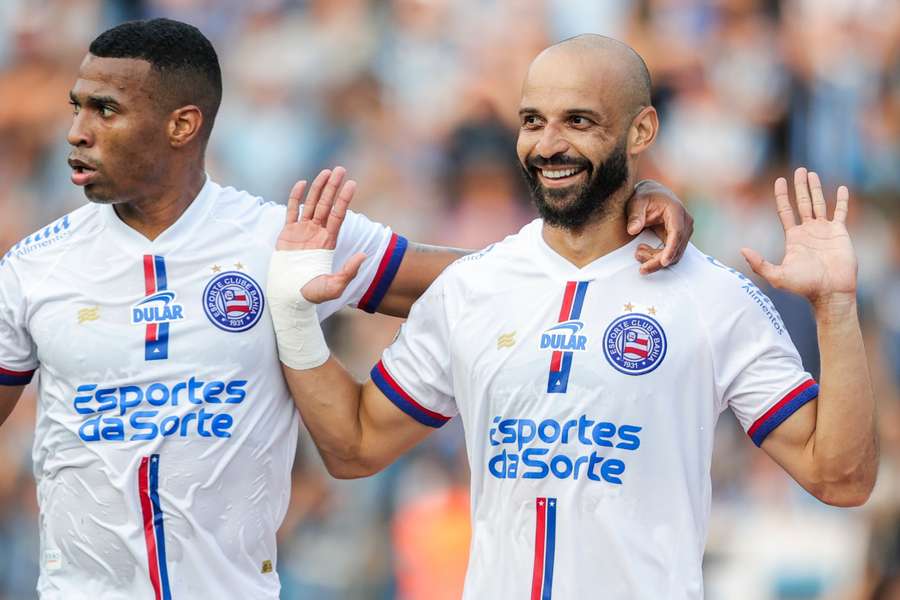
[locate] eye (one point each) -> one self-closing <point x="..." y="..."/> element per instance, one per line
<point x="75" y="107"/>
<point x="105" y="111"/>
<point x="579" y="121"/>
<point x="530" y="121"/>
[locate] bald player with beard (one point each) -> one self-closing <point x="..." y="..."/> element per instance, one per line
<point x="589" y="395"/>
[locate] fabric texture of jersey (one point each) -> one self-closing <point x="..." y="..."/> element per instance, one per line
<point x="589" y="399"/>
<point x="165" y="431"/>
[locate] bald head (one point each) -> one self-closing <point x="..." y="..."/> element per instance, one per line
<point x="586" y="119"/>
<point x="606" y="62"/>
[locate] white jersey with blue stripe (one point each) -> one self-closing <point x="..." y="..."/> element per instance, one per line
<point x="165" y="432"/>
<point x="589" y="398"/>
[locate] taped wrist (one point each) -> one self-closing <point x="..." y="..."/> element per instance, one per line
<point x="301" y="344"/>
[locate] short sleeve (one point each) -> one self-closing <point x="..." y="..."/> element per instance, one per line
<point x="758" y="370"/>
<point x="415" y="372"/>
<point x="384" y="251"/>
<point x="18" y="356"/>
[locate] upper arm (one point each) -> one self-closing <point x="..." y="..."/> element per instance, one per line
<point x="410" y="393"/>
<point x="387" y="431"/>
<point x="419" y="268"/>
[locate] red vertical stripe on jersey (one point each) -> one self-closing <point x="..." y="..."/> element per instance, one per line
<point x="566" y="309"/>
<point x="149" y="275"/>
<point x="147" y="513"/>
<point x="151" y="332"/>
<point x="556" y="361"/>
<point x="537" y="578"/>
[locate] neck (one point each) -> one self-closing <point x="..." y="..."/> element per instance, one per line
<point x="154" y="213"/>
<point x="598" y="237"/>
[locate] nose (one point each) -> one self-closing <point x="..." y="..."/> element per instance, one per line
<point x="552" y="142"/>
<point x="79" y="134"/>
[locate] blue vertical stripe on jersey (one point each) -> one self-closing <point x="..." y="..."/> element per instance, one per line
<point x="161" y="280"/>
<point x="579" y="299"/>
<point x="158" y="527"/>
<point x="550" y="550"/>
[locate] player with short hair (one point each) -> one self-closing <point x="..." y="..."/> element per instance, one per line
<point x="165" y="432"/>
<point x="589" y="395"/>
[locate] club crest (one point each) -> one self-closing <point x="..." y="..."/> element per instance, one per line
<point x="233" y="301"/>
<point x="634" y="344"/>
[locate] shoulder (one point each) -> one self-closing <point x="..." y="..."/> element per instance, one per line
<point x="247" y="214"/>
<point x="231" y="204"/>
<point x="46" y="244"/>
<point x="497" y="263"/>
<point x="723" y="292"/>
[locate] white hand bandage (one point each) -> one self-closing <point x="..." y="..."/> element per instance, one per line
<point x="301" y="344"/>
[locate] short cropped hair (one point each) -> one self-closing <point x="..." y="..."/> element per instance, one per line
<point x="181" y="55"/>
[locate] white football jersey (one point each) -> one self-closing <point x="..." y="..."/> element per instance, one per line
<point x="165" y="431"/>
<point x="589" y="398"/>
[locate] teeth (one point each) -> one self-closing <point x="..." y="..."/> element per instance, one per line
<point x="559" y="174"/>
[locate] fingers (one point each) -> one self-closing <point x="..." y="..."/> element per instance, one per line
<point x="783" y="204"/>
<point x="293" y="205"/>
<point x="762" y="267"/>
<point x="801" y="191"/>
<point x="637" y="213"/>
<point x="315" y="190"/>
<point x="843" y="202"/>
<point x="676" y="241"/>
<point x="820" y="210"/>
<point x="339" y="210"/>
<point x="650" y="259"/>
<point x="329" y="193"/>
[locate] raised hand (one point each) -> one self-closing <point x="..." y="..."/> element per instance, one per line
<point x="317" y="227"/>
<point x="819" y="262"/>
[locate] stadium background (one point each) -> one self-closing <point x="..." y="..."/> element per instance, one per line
<point x="418" y="99"/>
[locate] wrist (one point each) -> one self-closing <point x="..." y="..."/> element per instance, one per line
<point x="835" y="306"/>
<point x="301" y="344"/>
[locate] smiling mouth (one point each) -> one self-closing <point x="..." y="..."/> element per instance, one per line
<point x="560" y="175"/>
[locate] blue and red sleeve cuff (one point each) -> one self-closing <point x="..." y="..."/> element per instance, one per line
<point x="384" y="276"/>
<point x="396" y="394"/>
<point x="8" y="377"/>
<point x="784" y="408"/>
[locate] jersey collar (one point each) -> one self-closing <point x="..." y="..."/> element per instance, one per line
<point x="618" y="259"/>
<point x="176" y="233"/>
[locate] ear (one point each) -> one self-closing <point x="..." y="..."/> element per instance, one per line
<point x="184" y="125"/>
<point x="643" y="130"/>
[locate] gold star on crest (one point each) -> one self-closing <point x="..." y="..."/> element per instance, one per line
<point x="216" y="268"/>
<point x="629" y="307"/>
<point x="238" y="265"/>
<point x="652" y="310"/>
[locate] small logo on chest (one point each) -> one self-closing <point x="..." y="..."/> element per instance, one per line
<point x="506" y="340"/>
<point x="91" y="313"/>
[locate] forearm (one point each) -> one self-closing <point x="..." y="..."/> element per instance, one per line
<point x="843" y="446"/>
<point x="328" y="399"/>
<point x="420" y="267"/>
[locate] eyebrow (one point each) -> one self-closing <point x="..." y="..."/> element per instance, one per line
<point x="95" y="100"/>
<point x="572" y="111"/>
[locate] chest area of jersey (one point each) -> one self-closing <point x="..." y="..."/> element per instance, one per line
<point x="574" y="335"/>
<point x="152" y="311"/>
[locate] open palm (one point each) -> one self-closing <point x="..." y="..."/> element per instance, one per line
<point x="819" y="262"/>
<point x="317" y="228"/>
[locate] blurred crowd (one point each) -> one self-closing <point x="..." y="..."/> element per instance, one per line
<point x="418" y="99"/>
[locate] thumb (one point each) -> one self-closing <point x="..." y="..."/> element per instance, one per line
<point x="762" y="267"/>
<point x="351" y="267"/>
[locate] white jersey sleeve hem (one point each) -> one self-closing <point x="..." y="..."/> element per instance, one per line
<point x="403" y="400"/>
